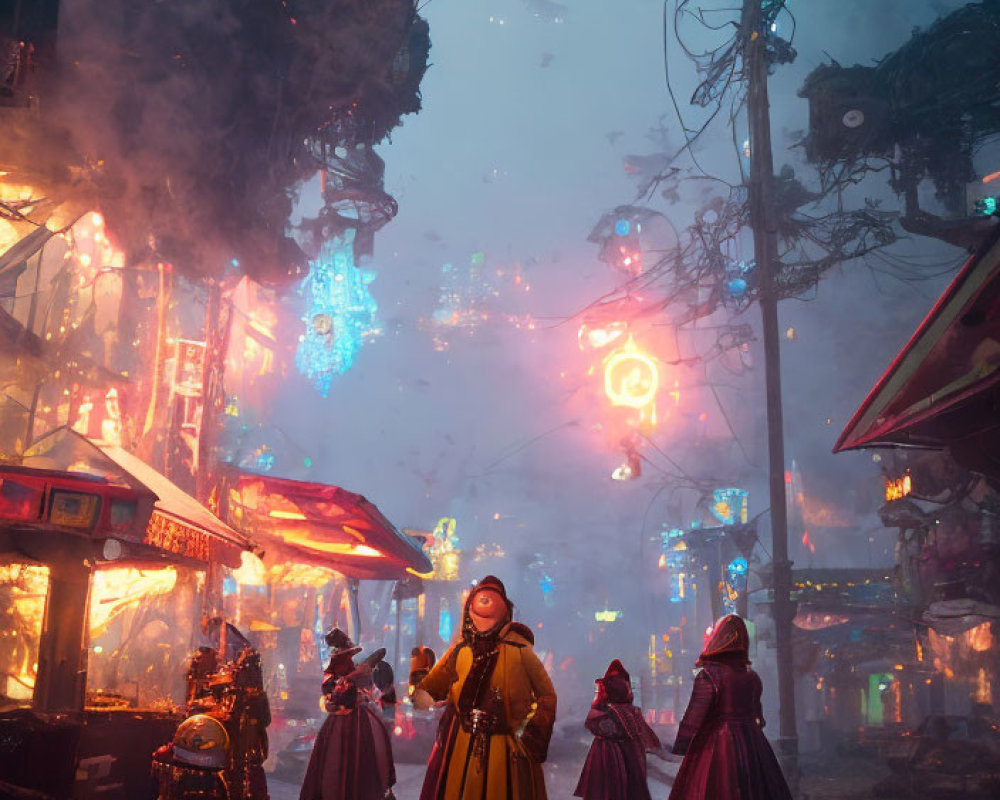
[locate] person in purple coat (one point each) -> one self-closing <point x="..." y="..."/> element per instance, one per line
<point x="352" y="756"/>
<point x="616" y="764"/>
<point x="726" y="754"/>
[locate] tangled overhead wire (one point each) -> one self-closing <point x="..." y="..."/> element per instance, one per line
<point x="705" y="271"/>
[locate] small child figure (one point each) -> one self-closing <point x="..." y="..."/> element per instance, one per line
<point x="616" y="764"/>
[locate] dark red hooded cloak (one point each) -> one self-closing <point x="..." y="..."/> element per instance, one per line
<point x="616" y="764"/>
<point x="726" y="754"/>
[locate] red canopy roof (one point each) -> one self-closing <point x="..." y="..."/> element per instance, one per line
<point x="176" y="524"/>
<point x="319" y="524"/>
<point x="941" y="390"/>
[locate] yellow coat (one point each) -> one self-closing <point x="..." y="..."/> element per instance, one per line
<point x="513" y="768"/>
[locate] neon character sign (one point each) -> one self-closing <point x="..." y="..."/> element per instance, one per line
<point x="631" y="377"/>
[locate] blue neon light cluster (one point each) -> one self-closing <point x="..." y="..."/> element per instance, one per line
<point x="676" y="560"/>
<point x="445" y="623"/>
<point x="337" y="288"/>
<point x="735" y="499"/>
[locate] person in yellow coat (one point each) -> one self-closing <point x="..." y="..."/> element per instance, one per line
<point x="499" y="707"/>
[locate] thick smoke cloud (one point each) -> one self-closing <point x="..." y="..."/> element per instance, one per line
<point x="194" y="123"/>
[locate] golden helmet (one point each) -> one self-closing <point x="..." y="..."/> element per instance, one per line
<point x="201" y="741"/>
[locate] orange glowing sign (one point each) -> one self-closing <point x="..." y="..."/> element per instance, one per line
<point x="189" y="362"/>
<point x="631" y="377"/>
<point x="898" y="488"/>
<point x="176" y="537"/>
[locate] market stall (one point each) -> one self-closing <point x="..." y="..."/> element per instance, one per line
<point x="318" y="544"/>
<point x="320" y="526"/>
<point x="108" y="569"/>
<point x="941" y="391"/>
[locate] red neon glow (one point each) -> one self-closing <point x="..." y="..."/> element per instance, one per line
<point x="631" y="377"/>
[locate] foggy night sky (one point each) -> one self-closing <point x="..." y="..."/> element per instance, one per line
<point x="425" y="434"/>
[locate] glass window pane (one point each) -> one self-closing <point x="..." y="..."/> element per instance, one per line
<point x="23" y="588"/>
<point x="142" y="633"/>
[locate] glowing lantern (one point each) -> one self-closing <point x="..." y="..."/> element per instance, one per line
<point x="737" y="287"/>
<point x="898" y="488"/>
<point x="986" y="207"/>
<point x="631" y="377"/>
<point x="601" y="336"/>
<point x="251" y="572"/>
<point x="737" y="567"/>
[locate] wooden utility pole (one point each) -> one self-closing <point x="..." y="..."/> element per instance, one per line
<point x="765" y="246"/>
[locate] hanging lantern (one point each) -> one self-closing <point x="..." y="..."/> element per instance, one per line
<point x="631" y="377"/>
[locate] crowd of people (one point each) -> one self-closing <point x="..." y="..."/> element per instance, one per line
<point x="498" y="708"/>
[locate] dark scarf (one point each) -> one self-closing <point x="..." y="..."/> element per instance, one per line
<point x="485" y="647"/>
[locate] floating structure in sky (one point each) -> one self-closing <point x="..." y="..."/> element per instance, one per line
<point x="340" y="313"/>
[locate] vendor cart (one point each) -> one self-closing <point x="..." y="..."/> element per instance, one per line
<point x="318" y="543"/>
<point x="106" y="570"/>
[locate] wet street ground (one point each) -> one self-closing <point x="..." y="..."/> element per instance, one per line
<point x="823" y="779"/>
<point x="561" y="777"/>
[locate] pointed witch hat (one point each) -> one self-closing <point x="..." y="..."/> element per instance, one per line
<point x="341" y="644"/>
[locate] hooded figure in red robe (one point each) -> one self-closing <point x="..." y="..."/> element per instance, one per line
<point x="726" y="754"/>
<point x="616" y="764"/>
<point x="352" y="756"/>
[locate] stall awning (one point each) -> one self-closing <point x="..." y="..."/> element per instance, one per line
<point x="178" y="524"/>
<point x="319" y="524"/>
<point x="942" y="389"/>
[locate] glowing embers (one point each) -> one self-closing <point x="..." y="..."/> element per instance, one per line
<point x="632" y="378"/>
<point x="340" y="313"/>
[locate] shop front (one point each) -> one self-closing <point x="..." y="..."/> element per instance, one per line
<point x="106" y="572"/>
<point x="329" y="558"/>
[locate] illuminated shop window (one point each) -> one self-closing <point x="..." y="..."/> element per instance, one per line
<point x="23" y="588"/>
<point x="142" y="632"/>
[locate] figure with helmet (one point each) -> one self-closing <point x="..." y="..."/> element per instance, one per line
<point x="500" y="707"/>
